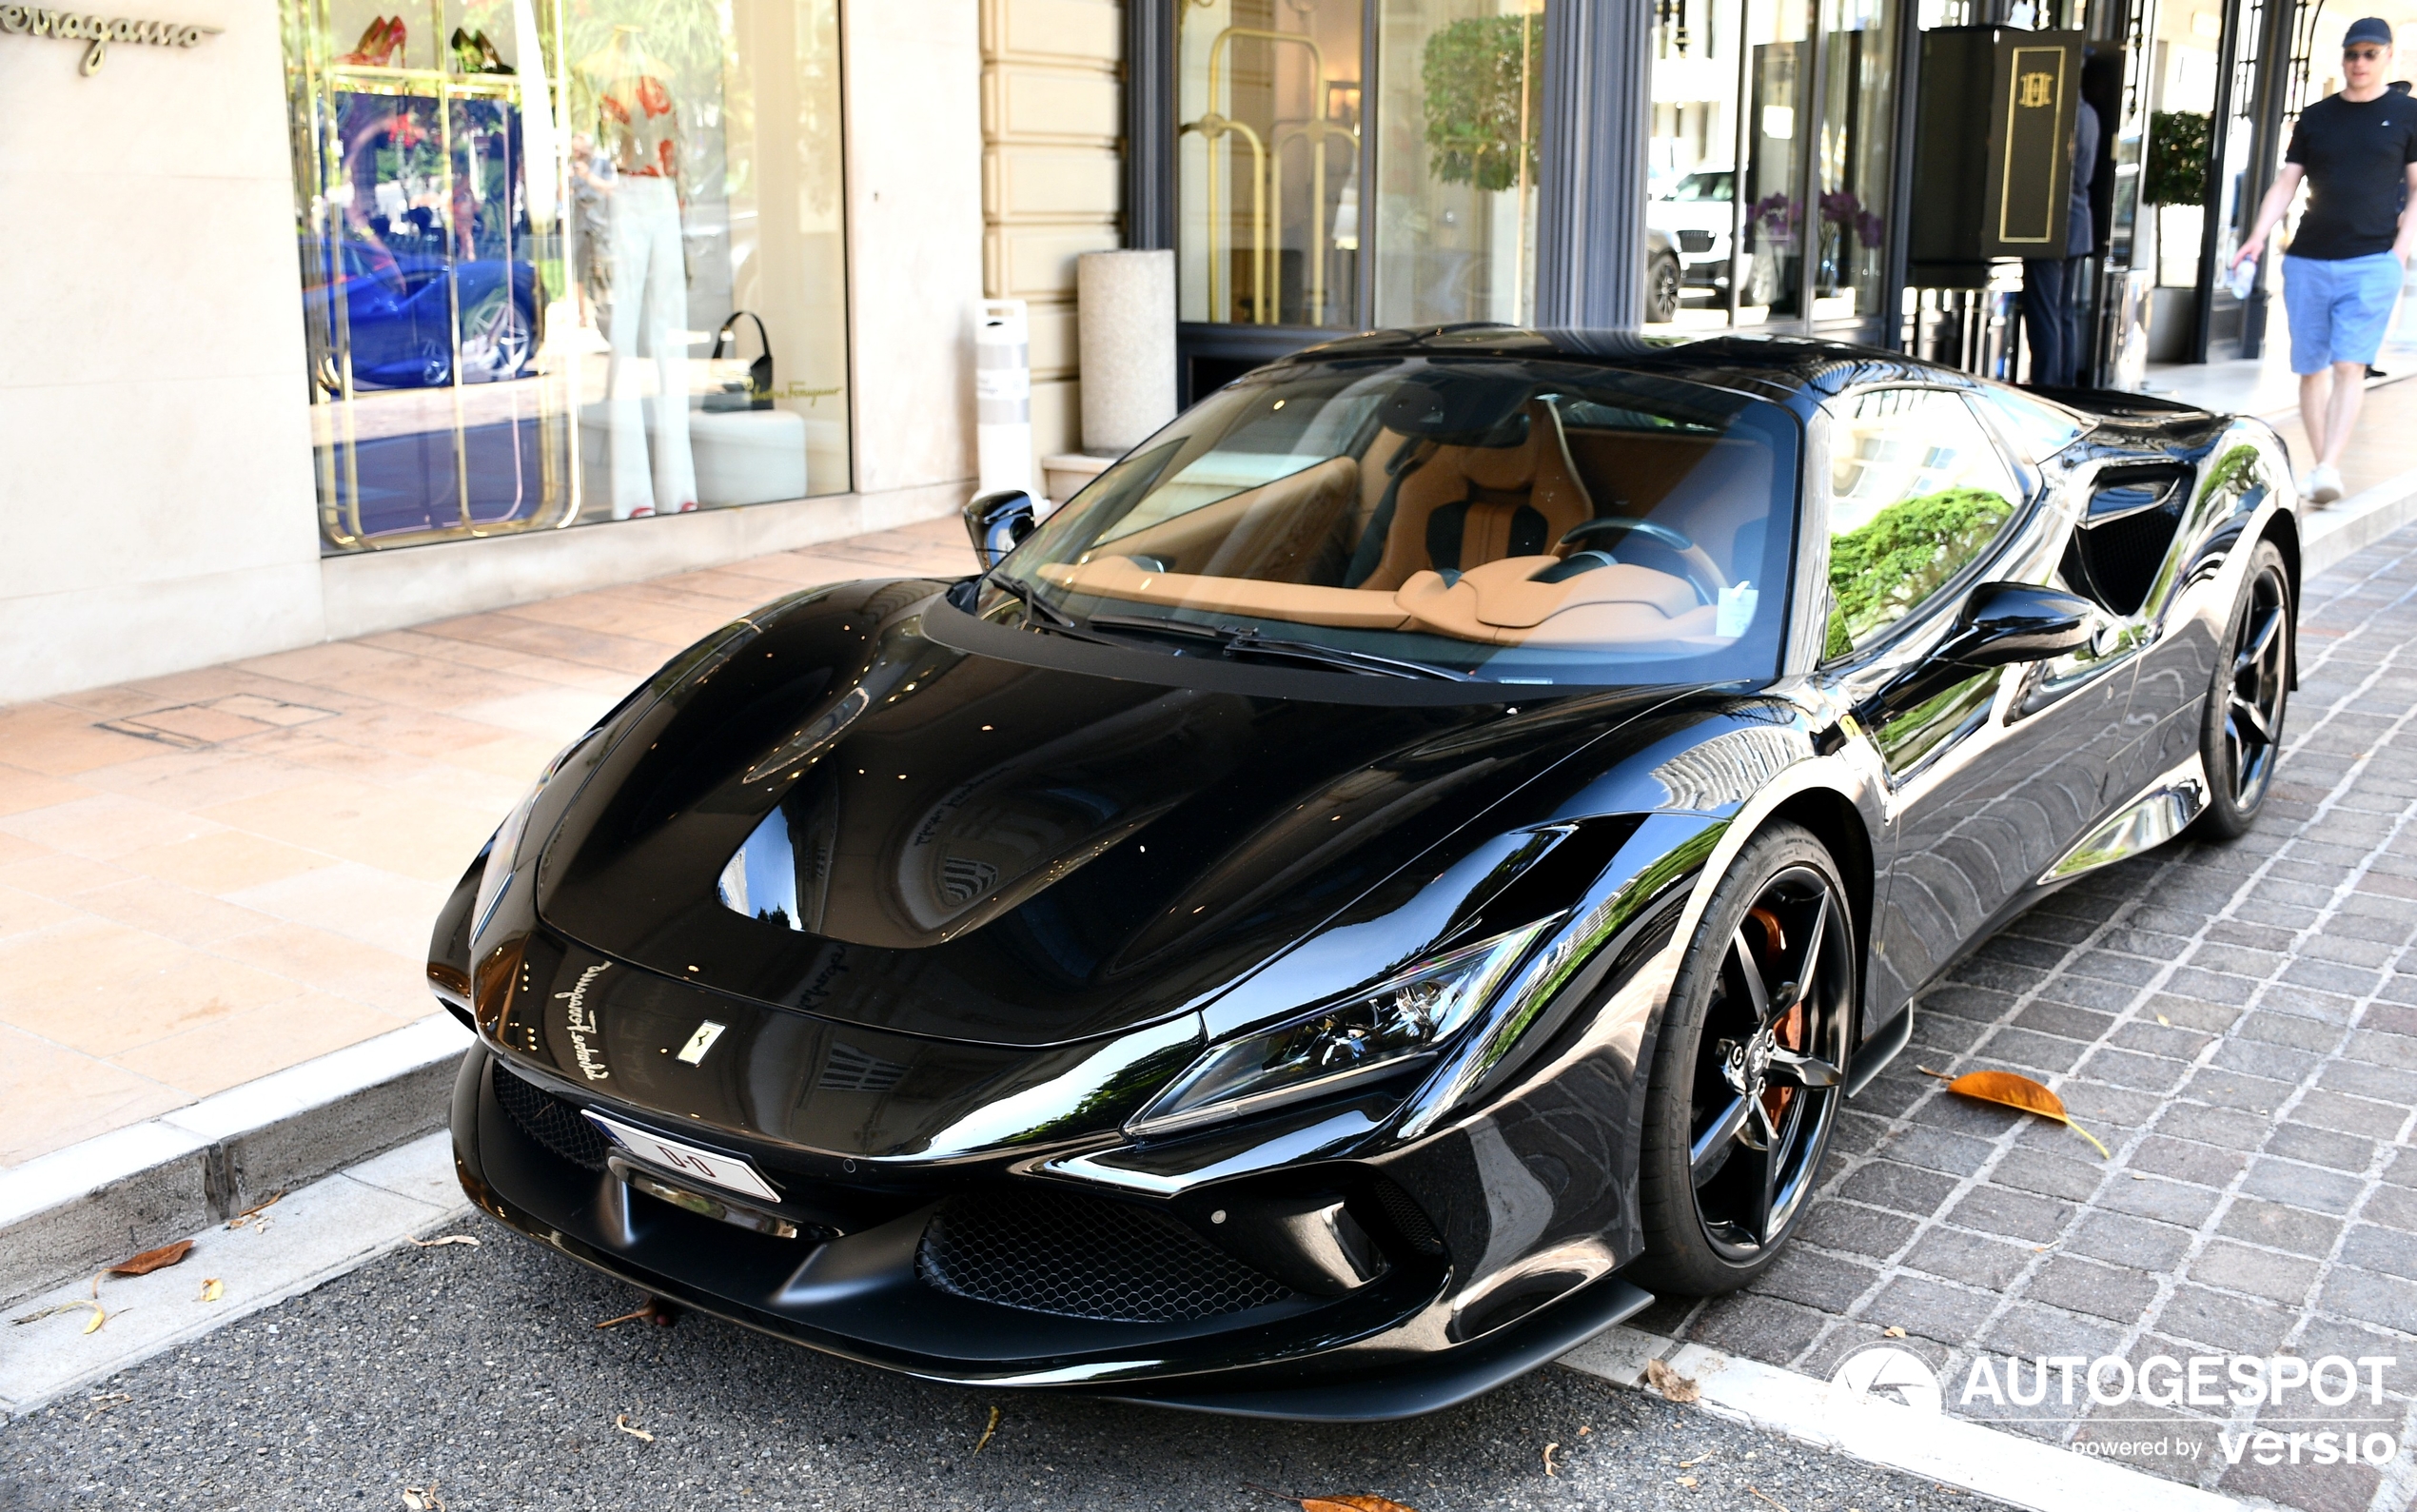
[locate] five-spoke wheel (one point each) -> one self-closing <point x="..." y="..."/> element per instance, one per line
<point x="2242" y="736"/>
<point x="1748" y="1068"/>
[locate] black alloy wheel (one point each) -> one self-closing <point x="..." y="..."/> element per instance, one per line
<point x="2241" y="738"/>
<point x="1748" y="1069"/>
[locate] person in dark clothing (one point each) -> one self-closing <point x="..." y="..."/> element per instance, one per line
<point x="2358" y="151"/>
<point x="2052" y="298"/>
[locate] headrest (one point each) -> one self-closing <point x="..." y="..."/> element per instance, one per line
<point x="1461" y="409"/>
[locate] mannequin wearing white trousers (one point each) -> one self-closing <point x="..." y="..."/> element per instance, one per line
<point x="650" y="305"/>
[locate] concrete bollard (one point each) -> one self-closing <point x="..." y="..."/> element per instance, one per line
<point x="1125" y="310"/>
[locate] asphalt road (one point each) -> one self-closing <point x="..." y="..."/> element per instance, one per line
<point x="476" y="1373"/>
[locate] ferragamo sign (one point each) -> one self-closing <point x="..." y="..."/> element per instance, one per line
<point x="97" y="32"/>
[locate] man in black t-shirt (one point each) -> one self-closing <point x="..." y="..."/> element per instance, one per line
<point x="2358" y="151"/>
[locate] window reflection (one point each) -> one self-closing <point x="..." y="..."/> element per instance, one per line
<point x="1917" y="491"/>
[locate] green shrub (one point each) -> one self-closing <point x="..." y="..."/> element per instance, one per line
<point x="2177" y="172"/>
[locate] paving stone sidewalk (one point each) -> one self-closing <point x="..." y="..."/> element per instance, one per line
<point x="2238" y="1022"/>
<point x="214" y="875"/>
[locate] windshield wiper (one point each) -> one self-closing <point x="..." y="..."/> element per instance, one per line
<point x="1039" y="614"/>
<point x="1234" y="641"/>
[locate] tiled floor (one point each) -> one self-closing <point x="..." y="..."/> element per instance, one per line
<point x="210" y="876"/>
<point x="2236" y="1022"/>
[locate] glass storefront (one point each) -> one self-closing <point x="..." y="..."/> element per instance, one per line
<point x="564" y="264"/>
<point x="1773" y="158"/>
<point x="1281" y="133"/>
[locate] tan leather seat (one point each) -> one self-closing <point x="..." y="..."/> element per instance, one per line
<point x="1520" y="501"/>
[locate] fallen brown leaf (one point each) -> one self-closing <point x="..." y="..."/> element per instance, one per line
<point x="448" y="1239"/>
<point x="621" y="1420"/>
<point x="2008" y="1090"/>
<point x="1774" y="1501"/>
<point x="992" y="1427"/>
<point x="1351" y="1503"/>
<point x="150" y="1260"/>
<point x="1670" y="1383"/>
<point x="98" y="1317"/>
<point x="253" y="1215"/>
<point x="1548" y="1459"/>
<point x="648" y="1312"/>
<point x="422" y="1498"/>
<point x="1891" y="1331"/>
<point x="1688" y="1481"/>
<point x="104" y="1403"/>
<point x="212" y="1289"/>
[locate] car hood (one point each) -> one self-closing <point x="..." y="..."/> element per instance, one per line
<point x="993" y="851"/>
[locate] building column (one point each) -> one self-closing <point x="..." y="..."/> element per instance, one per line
<point x="1598" y="115"/>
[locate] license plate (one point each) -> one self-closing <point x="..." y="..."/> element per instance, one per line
<point x="727" y="1171"/>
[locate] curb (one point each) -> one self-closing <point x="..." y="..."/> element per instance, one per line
<point x="2008" y="1468"/>
<point x="2332" y="532"/>
<point x="67" y="1213"/>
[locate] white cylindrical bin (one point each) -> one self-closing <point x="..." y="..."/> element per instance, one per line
<point x="1126" y="304"/>
<point x="1003" y="395"/>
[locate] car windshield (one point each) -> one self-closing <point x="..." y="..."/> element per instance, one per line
<point x="1514" y="521"/>
<point x="1701" y="185"/>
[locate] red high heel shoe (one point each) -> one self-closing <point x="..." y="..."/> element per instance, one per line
<point x="373" y="41"/>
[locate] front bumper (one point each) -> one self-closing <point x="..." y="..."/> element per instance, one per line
<point x="876" y="1294"/>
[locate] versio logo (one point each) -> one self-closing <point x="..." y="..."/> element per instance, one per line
<point x="1882" y="1373"/>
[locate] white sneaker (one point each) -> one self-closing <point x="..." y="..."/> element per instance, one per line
<point x="2323" y="485"/>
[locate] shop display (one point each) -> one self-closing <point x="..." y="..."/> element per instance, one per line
<point x="513" y="265"/>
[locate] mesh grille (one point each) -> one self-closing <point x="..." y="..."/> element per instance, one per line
<point x="1081" y="1257"/>
<point x="1409" y="1219"/>
<point x="550" y="1121"/>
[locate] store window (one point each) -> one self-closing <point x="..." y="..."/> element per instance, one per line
<point x="1278" y="135"/>
<point x="1460" y="120"/>
<point x="1758" y="162"/>
<point x="1269" y="161"/>
<point x="567" y="264"/>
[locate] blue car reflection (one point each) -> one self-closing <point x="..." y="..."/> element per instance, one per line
<point x="399" y="310"/>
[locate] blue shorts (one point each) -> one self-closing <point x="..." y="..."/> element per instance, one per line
<point x="2338" y="308"/>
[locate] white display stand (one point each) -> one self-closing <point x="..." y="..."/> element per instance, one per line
<point x="743" y="456"/>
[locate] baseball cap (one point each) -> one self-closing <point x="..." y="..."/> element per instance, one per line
<point x="2369" y="28"/>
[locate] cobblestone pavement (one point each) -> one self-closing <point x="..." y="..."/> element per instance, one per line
<point x="2238" y="1022"/>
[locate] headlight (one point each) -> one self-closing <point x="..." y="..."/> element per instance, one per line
<point x="1387" y="1029"/>
<point x="504" y="852"/>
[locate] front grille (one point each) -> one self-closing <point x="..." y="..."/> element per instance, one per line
<point x="1694" y="241"/>
<point x="1084" y="1257"/>
<point x="550" y="1121"/>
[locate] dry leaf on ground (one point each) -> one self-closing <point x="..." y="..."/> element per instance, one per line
<point x="212" y="1289"/>
<point x="150" y="1260"/>
<point x="1688" y="1481"/>
<point x="1351" y="1503"/>
<point x="1548" y="1459"/>
<point x="37" y="1315"/>
<point x="448" y="1239"/>
<point x="254" y="1215"/>
<point x="1891" y="1331"/>
<point x="621" y="1420"/>
<point x="422" y="1498"/>
<point x="1767" y="1496"/>
<point x="1670" y="1383"/>
<point x="992" y="1428"/>
<point x="2007" y="1090"/>
<point x="105" y="1401"/>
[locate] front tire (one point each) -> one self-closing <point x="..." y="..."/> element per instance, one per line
<point x="2241" y="734"/>
<point x="1748" y="1069"/>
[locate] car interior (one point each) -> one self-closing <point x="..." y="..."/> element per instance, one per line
<point x="1558" y="522"/>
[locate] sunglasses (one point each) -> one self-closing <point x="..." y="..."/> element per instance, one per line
<point x="2364" y="55"/>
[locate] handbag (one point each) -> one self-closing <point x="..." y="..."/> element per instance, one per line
<point x="755" y="391"/>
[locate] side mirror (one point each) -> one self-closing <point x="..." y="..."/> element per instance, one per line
<point x="998" y="524"/>
<point x="2003" y="623"/>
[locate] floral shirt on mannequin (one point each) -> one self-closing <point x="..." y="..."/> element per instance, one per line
<point x="640" y="126"/>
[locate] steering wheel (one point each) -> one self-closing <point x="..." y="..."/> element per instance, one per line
<point x="1701" y="572"/>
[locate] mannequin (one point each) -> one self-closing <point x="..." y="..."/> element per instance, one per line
<point x="639" y="132"/>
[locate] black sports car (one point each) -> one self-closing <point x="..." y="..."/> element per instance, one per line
<point x="1406" y="864"/>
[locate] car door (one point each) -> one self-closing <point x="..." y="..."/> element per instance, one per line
<point x="1990" y="773"/>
